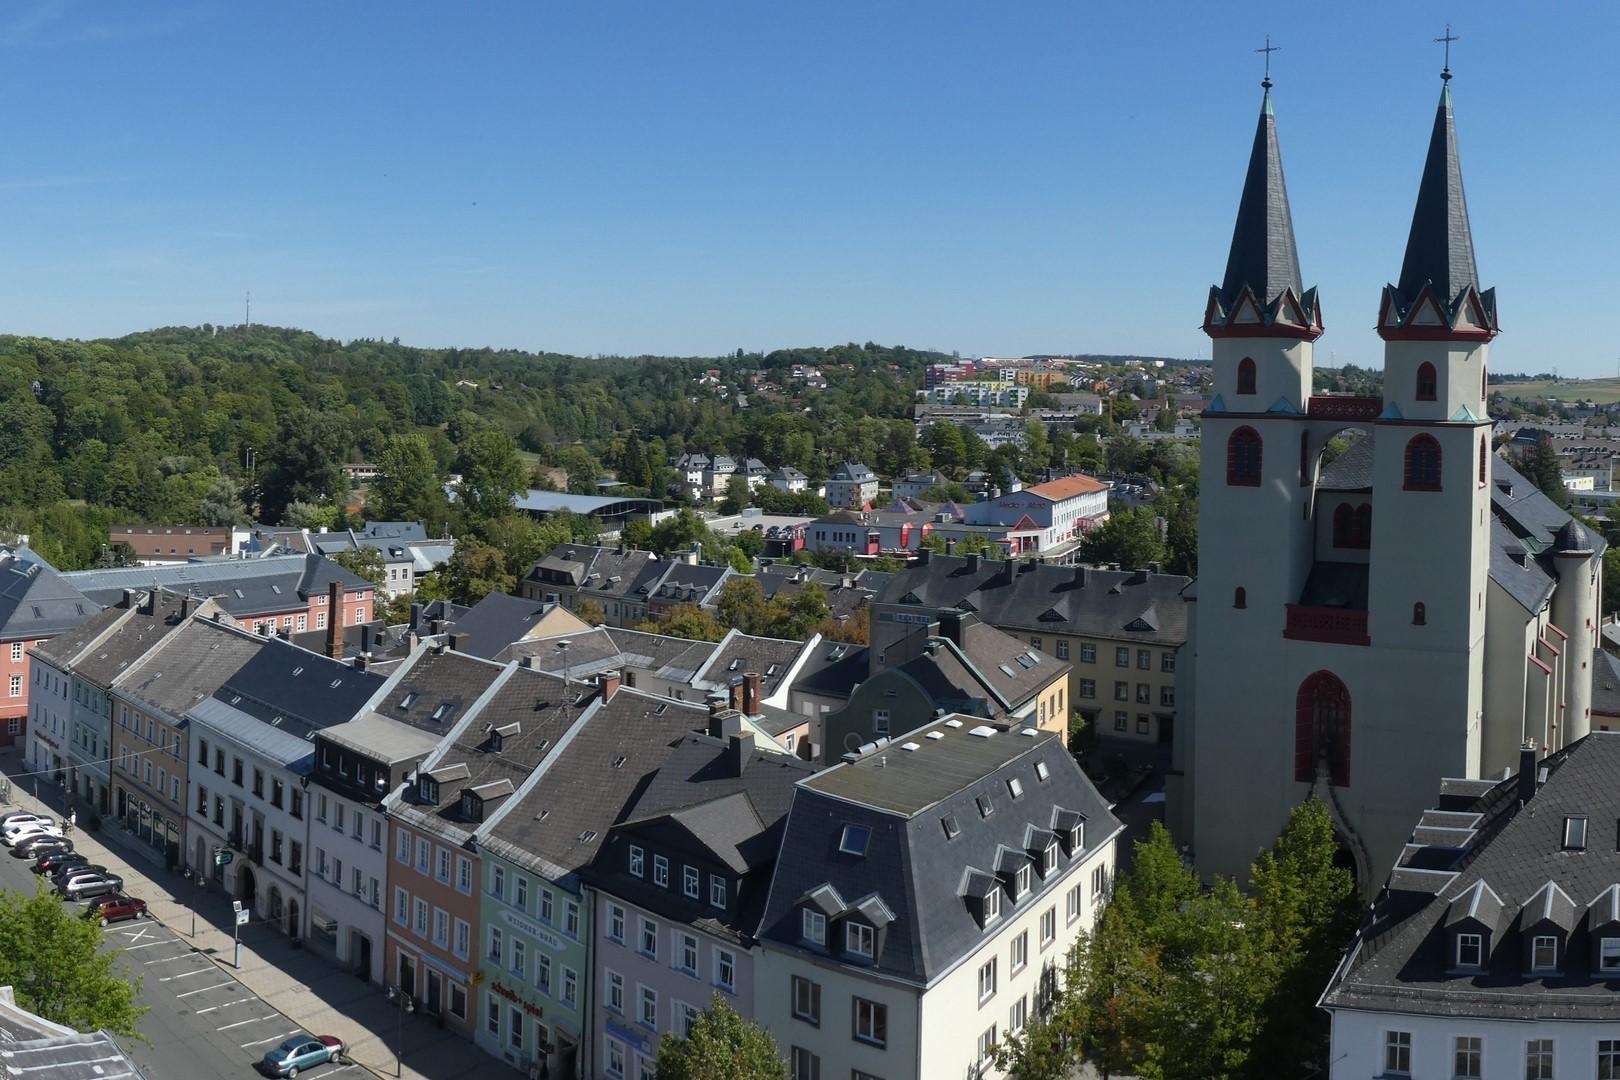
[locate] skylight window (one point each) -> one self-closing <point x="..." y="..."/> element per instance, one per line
<point x="1024" y="661"/>
<point x="986" y="808"/>
<point x="1007" y="671"/>
<point x="854" y="839"/>
<point x="298" y="671"/>
<point x="734" y="665"/>
<point x="772" y="670"/>
<point x="409" y="700"/>
<point x="1575" y="834"/>
<point x="1041" y="771"/>
<point x="441" y="712"/>
<point x="951" y="826"/>
<point x="1015" y="786"/>
<point x="1034" y="657"/>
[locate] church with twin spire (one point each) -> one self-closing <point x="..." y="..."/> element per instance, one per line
<point x="1367" y="624"/>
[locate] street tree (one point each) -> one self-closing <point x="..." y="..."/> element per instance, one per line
<point x="53" y="961"/>
<point x="720" y="1045"/>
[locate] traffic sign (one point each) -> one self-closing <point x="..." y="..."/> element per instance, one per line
<point x="242" y="916"/>
<point x="223" y="857"/>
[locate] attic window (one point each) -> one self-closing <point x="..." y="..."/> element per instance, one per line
<point x="1025" y="662"/>
<point x="984" y="805"/>
<point x="298" y="671"/>
<point x="236" y="699"/>
<point x="1007" y="671"/>
<point x="1041" y="771"/>
<point x="238" y="593"/>
<point x="734" y="665"/>
<point x="951" y="826"/>
<point x="662" y="709"/>
<point x="441" y="712"/>
<point x="1015" y="786"/>
<point x="1575" y="834"/>
<point x="1034" y="657"/>
<point x="772" y="670"/>
<point x="854" y="839"/>
<point x="336" y="683"/>
<point x="618" y="762"/>
<point x="408" y="700"/>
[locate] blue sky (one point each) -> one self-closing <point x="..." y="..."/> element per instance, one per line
<point x="697" y="177"/>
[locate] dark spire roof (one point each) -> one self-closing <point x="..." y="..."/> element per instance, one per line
<point x="1440" y="248"/>
<point x="1263" y="256"/>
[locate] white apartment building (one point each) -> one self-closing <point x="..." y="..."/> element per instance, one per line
<point x="943" y="915"/>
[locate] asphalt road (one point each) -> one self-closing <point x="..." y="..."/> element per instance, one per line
<point x="200" y="1022"/>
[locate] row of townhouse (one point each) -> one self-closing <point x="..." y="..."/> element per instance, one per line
<point x="630" y="587"/>
<point x="562" y="871"/>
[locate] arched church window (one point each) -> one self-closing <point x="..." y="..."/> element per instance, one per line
<point x="1344" y="520"/>
<point x="1245" y="376"/>
<point x="1484" y="457"/>
<point x="1484" y="384"/>
<point x="1322" y="729"/>
<point x="1243" y="458"/>
<point x="1422" y="464"/>
<point x="1420" y="614"/>
<point x="1240" y="597"/>
<point x="1363" y="530"/>
<point x="1426" y="382"/>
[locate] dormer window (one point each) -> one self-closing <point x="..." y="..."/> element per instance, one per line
<point x="472" y="807"/>
<point x="1470" y="951"/>
<point x="860" y="940"/>
<point x="854" y="839"/>
<point x="1544" y="953"/>
<point x="1575" y="834"/>
<point x="661" y="871"/>
<point x="815" y="927"/>
<point x="1021" y="881"/>
<point x="1049" y="858"/>
<point x="717" y="891"/>
<point x="1609" y="955"/>
<point x="638" y="864"/>
<point x="428" y="789"/>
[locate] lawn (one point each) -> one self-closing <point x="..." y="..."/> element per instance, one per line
<point x="1600" y="391"/>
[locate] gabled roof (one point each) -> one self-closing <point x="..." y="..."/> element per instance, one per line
<point x="35" y="600"/>
<point x="193" y="664"/>
<point x="739" y="653"/>
<point x="1066" y="487"/>
<point x="498" y="620"/>
<point x="243" y="587"/>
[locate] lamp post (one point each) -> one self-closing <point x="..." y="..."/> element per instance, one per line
<point x="402" y="1005"/>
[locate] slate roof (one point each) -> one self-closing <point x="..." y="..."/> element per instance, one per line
<point x="673" y="658"/>
<point x="739" y="653"/>
<point x="1605" y="684"/>
<point x="243" y="587"/>
<point x="1038" y="597"/>
<point x="544" y="711"/>
<point x="1440" y="246"/>
<point x="562" y="821"/>
<point x="1525" y="529"/>
<point x="193" y="664"/>
<point x="496" y="621"/>
<point x="587" y="653"/>
<point x="135" y="636"/>
<point x="854" y="473"/>
<point x="287" y="690"/>
<point x="35" y="600"/>
<point x="440" y="687"/>
<point x="1400" y="959"/>
<point x="604" y="571"/>
<point x="1351" y="470"/>
<point x="911" y="868"/>
<point x="833" y="668"/>
<point x="689" y="584"/>
<point x="697" y="804"/>
<point x="1263" y="255"/>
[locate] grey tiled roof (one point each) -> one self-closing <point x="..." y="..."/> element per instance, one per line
<point x="834" y="668"/>
<point x="606" y="572"/>
<point x="441" y="687"/>
<point x="1400" y="959"/>
<point x="42" y="1050"/>
<point x="564" y="819"/>
<point x="291" y="688"/>
<point x="35" y="600"/>
<point x="1037" y="598"/>
<point x="1605" y="683"/>
<point x="1440" y="247"/>
<point x="739" y="653"/>
<point x="270" y="584"/>
<point x="1263" y="255"/>
<point x="911" y="866"/>
<point x="497" y="621"/>
<point x="134" y="637"/>
<point x="1351" y="470"/>
<point x="192" y="665"/>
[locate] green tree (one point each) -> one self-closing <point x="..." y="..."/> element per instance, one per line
<point x="720" y="1045"/>
<point x="1539" y="463"/>
<point x="221" y="504"/>
<point x="590" y="611"/>
<point x="365" y="561"/>
<point x="411" y="487"/>
<point x="738" y="496"/>
<point x="52" y="959"/>
<point x="309" y="515"/>
<point x="1130" y="537"/>
<point x="685" y="621"/>
<point x="476" y="570"/>
<point x="491" y="473"/>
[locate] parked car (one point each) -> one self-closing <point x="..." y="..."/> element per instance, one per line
<point x="52" y="861"/>
<point x="19" y="816"/>
<point x="83" y="867"/>
<point x="81" y="885"/>
<point x="34" y="846"/>
<point x="115" y="907"/>
<point x="302" y="1052"/>
<point x="23" y="830"/>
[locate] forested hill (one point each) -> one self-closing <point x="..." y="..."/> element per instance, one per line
<point x="158" y="426"/>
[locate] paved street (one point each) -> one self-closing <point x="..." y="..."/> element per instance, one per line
<point x="207" y="1019"/>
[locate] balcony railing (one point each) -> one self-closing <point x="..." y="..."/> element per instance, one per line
<point x="1335" y="626"/>
<point x="1344" y="407"/>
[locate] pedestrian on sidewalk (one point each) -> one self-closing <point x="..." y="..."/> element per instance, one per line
<point x="73" y="819"/>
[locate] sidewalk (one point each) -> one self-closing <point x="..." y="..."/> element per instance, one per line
<point x="307" y="990"/>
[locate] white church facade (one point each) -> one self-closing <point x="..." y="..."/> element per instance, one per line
<point x="1414" y="609"/>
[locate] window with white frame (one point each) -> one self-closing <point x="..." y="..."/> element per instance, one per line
<point x="1020" y="953"/>
<point x="1071" y="904"/>
<point x="661" y="871"/>
<point x="987" y="980"/>
<point x="871" y="1022"/>
<point x="1470" y="950"/>
<point x="647" y="1011"/>
<point x="496" y="945"/>
<point x="987" y="1045"/>
<point x="463" y="875"/>
<point x="402" y="847"/>
<point x="1398" y="1053"/>
<point x="1538" y="1059"/>
<point x="725" y="970"/>
<point x="520" y="892"/>
<point x="1468" y="1058"/>
<point x="814" y="927"/>
<point x="1017" y="1014"/>
<point x="615" y="924"/>
<point x="1609" y="956"/>
<point x="859" y="939"/>
<point x="806" y="1000"/>
<point x="615" y="992"/>
<point x="1021" y="881"/>
<point x="717" y="891"/>
<point x="803" y="1065"/>
<point x="570" y="987"/>
<point x="542" y="973"/>
<point x="547" y="912"/>
<point x="649" y="939"/>
<point x="690" y="880"/>
<point x="1048" y="926"/>
<point x="615" y="1058"/>
<point x="463" y="938"/>
<point x="1608" y="1059"/>
<point x="571" y="919"/>
<point x="1544" y="953"/>
<point x="686" y="955"/>
<point x="636" y="861"/>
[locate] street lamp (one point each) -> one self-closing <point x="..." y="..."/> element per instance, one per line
<point x="398" y="997"/>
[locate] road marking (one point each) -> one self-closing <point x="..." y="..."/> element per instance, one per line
<point x="166" y="959"/>
<point x="183" y="974"/>
<point x="205" y="989"/>
<point x="148" y="945"/>
<point x="228" y="1004"/>
<point x="239" y="1023"/>
<point x="273" y="1038"/>
<point x="137" y="935"/>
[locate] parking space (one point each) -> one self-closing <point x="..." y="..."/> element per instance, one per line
<point x="177" y="980"/>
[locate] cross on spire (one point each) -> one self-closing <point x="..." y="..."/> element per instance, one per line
<point x="1445" y="72"/>
<point x="1270" y="48"/>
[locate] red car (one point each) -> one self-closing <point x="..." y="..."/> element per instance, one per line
<point x="115" y="907"/>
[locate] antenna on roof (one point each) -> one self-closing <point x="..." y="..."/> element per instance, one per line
<point x="247" y="315"/>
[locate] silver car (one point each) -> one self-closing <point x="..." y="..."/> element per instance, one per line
<point x="83" y="885"/>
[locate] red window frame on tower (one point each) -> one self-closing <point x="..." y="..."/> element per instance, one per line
<point x="1422" y="463"/>
<point x="1323" y="701"/>
<point x="1484" y="456"/>
<point x="1244" y="457"/>
<point x="1427" y="382"/>
<point x="1245" y="376"/>
<point x="1352" y="526"/>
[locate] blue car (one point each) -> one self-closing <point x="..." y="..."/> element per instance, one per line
<point x="302" y="1052"/>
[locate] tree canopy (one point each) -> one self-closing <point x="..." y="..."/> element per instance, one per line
<point x="52" y="959"/>
<point x="720" y="1045"/>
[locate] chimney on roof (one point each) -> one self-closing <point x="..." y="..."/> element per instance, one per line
<point x="739" y="748"/>
<point x="1082" y="576"/>
<point x="973" y="562"/>
<point x="365" y="639"/>
<point x="717" y="705"/>
<point x="1008" y="569"/>
<point x="185" y="607"/>
<point x="416" y="615"/>
<point x="129" y="600"/>
<point x="608" y="684"/>
<point x="922" y="556"/>
<point x="950" y="545"/>
<point x="724" y="722"/>
<point x="527" y="662"/>
<point x="951" y="624"/>
<point x="750" y="686"/>
<point x="734" y="696"/>
<point x="458" y="641"/>
<point x="149" y="602"/>
<point x="1527" y="771"/>
<point x="334" y="620"/>
<point x="361" y="661"/>
<point x="435" y="627"/>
